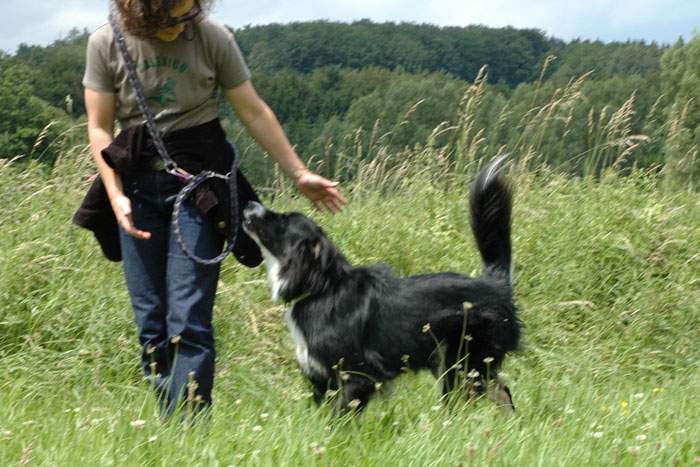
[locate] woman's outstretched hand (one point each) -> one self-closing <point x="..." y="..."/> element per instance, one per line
<point x="321" y="191"/>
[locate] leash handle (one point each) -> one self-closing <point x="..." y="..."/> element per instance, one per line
<point x="187" y="191"/>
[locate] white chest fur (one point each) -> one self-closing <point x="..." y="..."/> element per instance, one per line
<point x="309" y="365"/>
<point x="272" y="265"/>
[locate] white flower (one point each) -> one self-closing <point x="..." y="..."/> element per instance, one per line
<point x="257" y="428"/>
<point x="598" y="434"/>
<point x="138" y="424"/>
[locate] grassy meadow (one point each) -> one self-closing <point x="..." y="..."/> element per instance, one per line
<point x="607" y="281"/>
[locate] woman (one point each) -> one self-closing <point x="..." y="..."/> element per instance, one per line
<point x="183" y="59"/>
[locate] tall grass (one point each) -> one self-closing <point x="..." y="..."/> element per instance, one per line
<point x="560" y="126"/>
<point x="607" y="279"/>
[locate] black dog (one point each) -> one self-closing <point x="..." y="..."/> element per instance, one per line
<point x="357" y="327"/>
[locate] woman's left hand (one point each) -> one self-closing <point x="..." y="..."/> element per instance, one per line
<point x="321" y="191"/>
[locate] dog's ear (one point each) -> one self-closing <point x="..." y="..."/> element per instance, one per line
<point x="323" y="252"/>
<point x="302" y="270"/>
<point x="316" y="249"/>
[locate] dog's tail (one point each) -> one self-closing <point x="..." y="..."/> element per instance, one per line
<point x="490" y="202"/>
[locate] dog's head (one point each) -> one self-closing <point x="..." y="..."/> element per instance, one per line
<point x="300" y="259"/>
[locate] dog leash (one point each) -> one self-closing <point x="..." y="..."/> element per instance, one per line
<point x="170" y="166"/>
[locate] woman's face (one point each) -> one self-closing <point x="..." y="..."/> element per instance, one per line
<point x="182" y="10"/>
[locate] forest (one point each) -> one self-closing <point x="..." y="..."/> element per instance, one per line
<point x="339" y="89"/>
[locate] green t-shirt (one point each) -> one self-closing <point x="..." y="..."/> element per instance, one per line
<point x="181" y="78"/>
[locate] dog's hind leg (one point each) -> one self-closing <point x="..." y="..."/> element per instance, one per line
<point x="500" y="394"/>
<point x="355" y="393"/>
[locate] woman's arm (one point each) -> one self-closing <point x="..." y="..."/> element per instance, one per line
<point x="100" y="109"/>
<point x="263" y="125"/>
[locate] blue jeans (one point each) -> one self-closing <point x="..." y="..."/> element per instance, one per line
<point x="172" y="296"/>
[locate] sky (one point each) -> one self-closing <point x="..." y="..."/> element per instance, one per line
<point x="664" y="21"/>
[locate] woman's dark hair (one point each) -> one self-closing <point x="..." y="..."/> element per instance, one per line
<point x="143" y="18"/>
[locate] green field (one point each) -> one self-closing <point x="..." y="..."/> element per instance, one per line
<point x="607" y="275"/>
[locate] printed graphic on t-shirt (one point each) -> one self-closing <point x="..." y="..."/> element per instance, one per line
<point x="161" y="61"/>
<point x="165" y="94"/>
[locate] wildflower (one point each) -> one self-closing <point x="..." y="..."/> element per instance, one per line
<point x="404" y="358"/>
<point x="138" y="424"/>
<point x="639" y="395"/>
<point x="488" y="360"/>
<point x="175" y="340"/>
<point x="319" y="450"/>
<point x="257" y="428"/>
<point x="468" y="338"/>
<point x="263" y="416"/>
<point x="466" y="306"/>
<point x="624" y="405"/>
<point x="641" y="437"/>
<point x="426" y="328"/>
<point x="152" y="439"/>
<point x="238" y="402"/>
<point x="598" y="434"/>
<point x="344" y="375"/>
<point x="353" y="404"/>
<point x="377" y="386"/>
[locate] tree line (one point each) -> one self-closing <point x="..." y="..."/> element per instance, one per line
<point x="341" y="88"/>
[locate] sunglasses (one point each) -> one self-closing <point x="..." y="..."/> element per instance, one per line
<point x="193" y="13"/>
